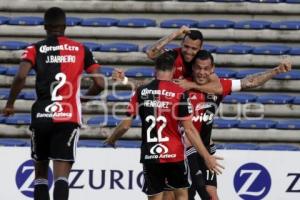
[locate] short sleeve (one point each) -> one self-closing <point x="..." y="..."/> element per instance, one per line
<point x="227" y="86"/>
<point x="185" y="106"/>
<point x="89" y="62"/>
<point x="29" y="54"/>
<point x="132" y="109"/>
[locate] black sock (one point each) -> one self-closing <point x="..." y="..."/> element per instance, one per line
<point x="41" y="191"/>
<point x="198" y="182"/>
<point x="61" y="189"/>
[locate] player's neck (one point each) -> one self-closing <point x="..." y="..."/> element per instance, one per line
<point x="164" y="75"/>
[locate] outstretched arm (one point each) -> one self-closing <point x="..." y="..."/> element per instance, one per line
<point x="16" y="87"/>
<point x="157" y="48"/>
<point x="259" y="79"/>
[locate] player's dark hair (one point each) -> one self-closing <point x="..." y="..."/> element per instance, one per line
<point x="165" y="61"/>
<point x="55" y="16"/>
<point x="203" y="55"/>
<point x="194" y="35"/>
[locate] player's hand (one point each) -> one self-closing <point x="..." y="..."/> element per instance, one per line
<point x="8" y="110"/>
<point x="183" y="30"/>
<point x="284" y="66"/>
<point x="213" y="165"/>
<point x="118" y="75"/>
<point x="185" y="84"/>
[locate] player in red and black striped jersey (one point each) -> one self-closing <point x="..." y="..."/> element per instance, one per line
<point x="163" y="107"/>
<point x="56" y="114"/>
<point x="204" y="109"/>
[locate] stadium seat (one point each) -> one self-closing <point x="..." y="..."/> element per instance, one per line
<point x="177" y="23"/>
<point x="3" y="70"/>
<point x="3" y="20"/>
<point x="266" y="1"/>
<point x="136" y="122"/>
<point x="136" y="22"/>
<point x="12" y="71"/>
<point x="123" y="96"/>
<point x="209" y="47"/>
<point x="291" y="75"/>
<point x="26" y="20"/>
<point x="239" y="98"/>
<point x="296" y="100"/>
<point x="90" y="143"/>
<point x="279" y="147"/>
<point x="289" y="124"/>
<point x="286" y="25"/>
<point x="12" y="45"/>
<point x="241" y="146"/>
<point x="252" y="24"/>
<point x="168" y="46"/>
<point x="20" y="119"/>
<point x="219" y="146"/>
<point x="119" y="47"/>
<point x="128" y="143"/>
<point x="244" y="73"/>
<point x="2" y="119"/>
<point x="140" y="72"/>
<point x="92" y="46"/>
<point x="215" y="23"/>
<point x="234" y="49"/>
<point x="275" y="99"/>
<point x="4" y="93"/>
<point x="223" y="123"/>
<point x="257" y="124"/>
<point x="224" y="73"/>
<point x="13" y="142"/>
<point x="228" y="1"/>
<point x="105" y="22"/>
<point x="294" y="51"/>
<point x="271" y="50"/>
<point x="28" y="95"/>
<point x="107" y="120"/>
<point x="106" y="71"/>
<point x="292" y="1"/>
<point x="73" y="21"/>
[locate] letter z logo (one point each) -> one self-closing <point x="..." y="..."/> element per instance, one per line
<point x="252" y="181"/>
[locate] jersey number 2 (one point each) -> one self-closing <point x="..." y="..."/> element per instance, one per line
<point x="61" y="78"/>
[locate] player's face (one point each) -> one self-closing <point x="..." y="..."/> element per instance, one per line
<point x="190" y="48"/>
<point x="202" y="69"/>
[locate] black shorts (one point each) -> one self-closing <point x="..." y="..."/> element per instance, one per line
<point x="159" y="175"/>
<point x="54" y="141"/>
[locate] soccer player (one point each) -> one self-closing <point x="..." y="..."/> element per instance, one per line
<point x="204" y="109"/>
<point x="164" y="107"/>
<point x="56" y="114"/>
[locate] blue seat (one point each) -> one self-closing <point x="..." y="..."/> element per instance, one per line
<point x="140" y="72"/>
<point x="136" y="22"/>
<point x="219" y="146"/>
<point x="257" y="124"/>
<point x="12" y="45"/>
<point x="107" y="120"/>
<point x="275" y="99"/>
<point x="234" y="49"/>
<point x="29" y="95"/>
<point x="291" y="75"/>
<point x="73" y="21"/>
<point x="252" y="24"/>
<point x="225" y="73"/>
<point x="294" y="51"/>
<point x="136" y="122"/>
<point x="105" y="22"/>
<point x="209" y="47"/>
<point x="20" y="119"/>
<point x="168" y="46"/>
<point x="119" y="47"/>
<point x="106" y="71"/>
<point x="286" y="25"/>
<point x="4" y="93"/>
<point x="177" y="23"/>
<point x="12" y="142"/>
<point x="296" y="100"/>
<point x="271" y="50"/>
<point x="3" y="20"/>
<point x="2" y="119"/>
<point x="228" y="1"/>
<point x="266" y="1"/>
<point x="239" y="98"/>
<point x="12" y="71"/>
<point x="241" y="146"/>
<point x="289" y="124"/>
<point x="244" y="73"/>
<point x="90" y="143"/>
<point x="26" y="20"/>
<point x="279" y="147"/>
<point x="215" y="23"/>
<point x="223" y="123"/>
<point x="3" y="70"/>
<point x="122" y="96"/>
<point x="92" y="46"/>
<point x="292" y="1"/>
<point x="128" y="143"/>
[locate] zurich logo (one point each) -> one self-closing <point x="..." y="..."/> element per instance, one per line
<point x="25" y="178"/>
<point x="252" y="181"/>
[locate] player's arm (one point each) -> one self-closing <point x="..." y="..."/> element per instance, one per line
<point x="16" y="87"/>
<point x="119" y="131"/>
<point x="259" y="79"/>
<point x="119" y="76"/>
<point x="193" y="136"/>
<point x="156" y="49"/>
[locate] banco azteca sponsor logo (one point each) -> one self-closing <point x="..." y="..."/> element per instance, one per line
<point x="55" y="110"/>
